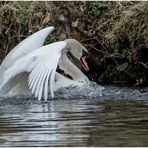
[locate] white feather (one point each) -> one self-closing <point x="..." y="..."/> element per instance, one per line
<point x="52" y="78"/>
<point x="46" y="87"/>
<point x="37" y="63"/>
<point x="41" y="65"/>
<point x="28" y="45"/>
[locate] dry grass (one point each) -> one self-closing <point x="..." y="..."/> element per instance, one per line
<point x="107" y="29"/>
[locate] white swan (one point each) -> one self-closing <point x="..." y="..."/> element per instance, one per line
<point x="30" y="66"/>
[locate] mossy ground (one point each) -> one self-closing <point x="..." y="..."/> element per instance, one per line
<point x="115" y="33"/>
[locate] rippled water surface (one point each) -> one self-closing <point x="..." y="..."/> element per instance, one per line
<point x="117" y="118"/>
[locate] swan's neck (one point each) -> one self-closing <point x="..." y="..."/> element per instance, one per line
<point x="70" y="69"/>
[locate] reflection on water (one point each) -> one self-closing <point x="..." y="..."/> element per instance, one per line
<point x="74" y="122"/>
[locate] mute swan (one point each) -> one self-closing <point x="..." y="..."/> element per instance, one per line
<point x="31" y="67"/>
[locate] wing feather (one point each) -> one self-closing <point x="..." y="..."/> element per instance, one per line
<point x="52" y="79"/>
<point x="41" y="78"/>
<point x="37" y="72"/>
<point x="35" y="84"/>
<point x="41" y="65"/>
<point x="34" y="77"/>
<point x="25" y="47"/>
<point x="41" y="85"/>
<point x="46" y="86"/>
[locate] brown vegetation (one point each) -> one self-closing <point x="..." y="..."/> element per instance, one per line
<point x="115" y="33"/>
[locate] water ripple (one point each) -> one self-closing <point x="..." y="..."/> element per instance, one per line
<point x="117" y="118"/>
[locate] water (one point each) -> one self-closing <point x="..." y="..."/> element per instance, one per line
<point x="76" y="118"/>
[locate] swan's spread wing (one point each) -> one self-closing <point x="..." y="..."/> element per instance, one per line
<point x="41" y="66"/>
<point x="28" y="45"/>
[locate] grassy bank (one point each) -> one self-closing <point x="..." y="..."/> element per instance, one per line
<point x="115" y="33"/>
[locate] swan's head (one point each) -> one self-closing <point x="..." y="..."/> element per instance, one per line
<point x="77" y="52"/>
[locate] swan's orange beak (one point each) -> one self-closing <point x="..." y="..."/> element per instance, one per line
<point x="84" y="63"/>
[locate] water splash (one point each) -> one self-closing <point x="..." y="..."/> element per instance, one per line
<point x="91" y="90"/>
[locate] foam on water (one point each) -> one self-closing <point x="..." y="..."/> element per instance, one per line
<point x="93" y="90"/>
